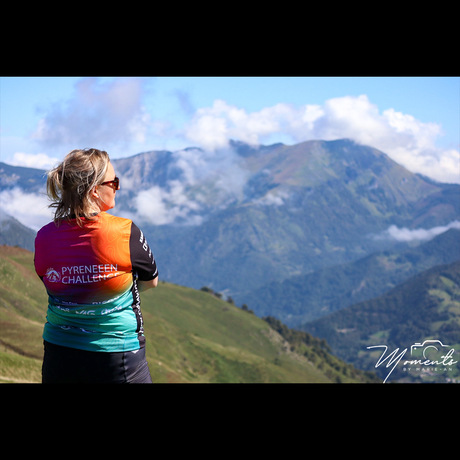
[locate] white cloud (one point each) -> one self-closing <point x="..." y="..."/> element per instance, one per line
<point x="405" y="139"/>
<point x="212" y="127"/>
<point x="30" y="209"/>
<point x="30" y="160"/>
<point x="273" y="198"/>
<point x="352" y="117"/>
<point x="407" y="235"/>
<point x="159" y="206"/>
<point x="210" y="179"/>
<point x="98" y="114"/>
<point x="151" y="207"/>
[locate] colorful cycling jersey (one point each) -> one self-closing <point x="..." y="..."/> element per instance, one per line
<point x="90" y="274"/>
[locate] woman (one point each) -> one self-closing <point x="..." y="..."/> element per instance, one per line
<point x="93" y="266"/>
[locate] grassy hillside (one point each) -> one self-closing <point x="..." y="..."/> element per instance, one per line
<point x="192" y="336"/>
<point x="425" y="307"/>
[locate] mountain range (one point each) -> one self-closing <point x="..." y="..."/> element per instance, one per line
<point x="267" y="225"/>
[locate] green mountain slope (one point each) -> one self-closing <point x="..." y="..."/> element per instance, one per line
<point x="192" y="336"/>
<point x="304" y="298"/>
<point x="425" y="307"/>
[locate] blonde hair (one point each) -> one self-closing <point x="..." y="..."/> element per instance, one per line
<point x="69" y="184"/>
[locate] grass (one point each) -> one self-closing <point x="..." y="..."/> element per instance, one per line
<point x="15" y="368"/>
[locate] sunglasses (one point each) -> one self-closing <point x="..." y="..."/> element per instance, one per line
<point x="113" y="183"/>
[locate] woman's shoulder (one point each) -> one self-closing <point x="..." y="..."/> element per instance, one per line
<point x="47" y="228"/>
<point x="110" y="219"/>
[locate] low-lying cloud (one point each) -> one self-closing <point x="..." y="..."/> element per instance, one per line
<point x="407" y="235"/>
<point x="203" y="180"/>
<point x="31" y="209"/>
<point x="161" y="206"/>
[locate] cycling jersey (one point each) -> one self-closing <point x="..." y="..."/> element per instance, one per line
<point x="90" y="274"/>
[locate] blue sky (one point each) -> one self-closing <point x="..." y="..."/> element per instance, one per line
<point x="415" y="120"/>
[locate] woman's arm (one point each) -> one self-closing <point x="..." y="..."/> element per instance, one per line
<point x="145" y="285"/>
<point x="143" y="262"/>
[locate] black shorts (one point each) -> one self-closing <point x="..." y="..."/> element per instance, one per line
<point x="70" y="365"/>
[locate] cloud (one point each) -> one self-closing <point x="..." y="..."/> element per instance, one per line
<point x="405" y="139"/>
<point x="98" y="114"/>
<point x="407" y="235"/>
<point x="212" y="127"/>
<point x="30" y="209"/>
<point x="208" y="179"/>
<point x="30" y="160"/>
<point x="273" y="198"/>
<point x="160" y="206"/>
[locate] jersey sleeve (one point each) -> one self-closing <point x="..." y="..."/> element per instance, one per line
<point x="142" y="259"/>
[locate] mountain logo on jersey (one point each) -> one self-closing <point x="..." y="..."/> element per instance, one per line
<point x="52" y="275"/>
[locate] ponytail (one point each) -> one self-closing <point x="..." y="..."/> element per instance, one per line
<point x="69" y="184"/>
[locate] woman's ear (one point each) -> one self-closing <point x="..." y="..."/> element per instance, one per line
<point x="94" y="193"/>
